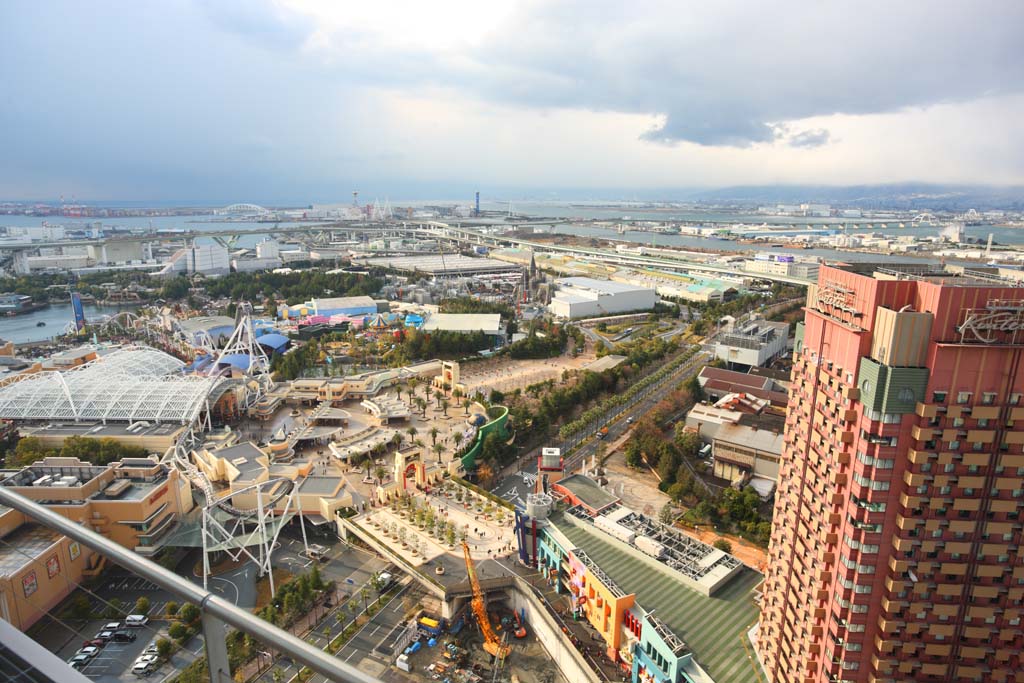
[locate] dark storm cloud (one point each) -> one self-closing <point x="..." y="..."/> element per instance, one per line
<point x="722" y="73"/>
<point x="240" y="98"/>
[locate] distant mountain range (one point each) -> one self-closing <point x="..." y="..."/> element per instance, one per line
<point x="894" y="196"/>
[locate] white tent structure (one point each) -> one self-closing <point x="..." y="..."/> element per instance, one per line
<point x="131" y="384"/>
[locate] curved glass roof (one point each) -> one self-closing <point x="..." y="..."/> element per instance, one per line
<point x="130" y="384"/>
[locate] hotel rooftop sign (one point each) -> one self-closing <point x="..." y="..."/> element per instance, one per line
<point x="1000" y="322"/>
<point x="837" y="301"/>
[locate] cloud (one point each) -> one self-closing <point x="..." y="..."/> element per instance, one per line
<point x="810" y="138"/>
<point x="721" y="73"/>
<point x="310" y="99"/>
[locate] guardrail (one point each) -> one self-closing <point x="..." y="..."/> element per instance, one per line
<point x="216" y="612"/>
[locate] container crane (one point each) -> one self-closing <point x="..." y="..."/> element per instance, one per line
<point x="492" y="644"/>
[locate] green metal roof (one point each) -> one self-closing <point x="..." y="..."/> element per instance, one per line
<point x="714" y="628"/>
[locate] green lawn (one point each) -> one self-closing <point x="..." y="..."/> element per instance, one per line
<point x="714" y="628"/>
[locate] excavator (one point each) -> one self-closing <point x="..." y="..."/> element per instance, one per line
<point x="492" y="644"/>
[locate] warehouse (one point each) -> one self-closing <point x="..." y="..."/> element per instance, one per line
<point x="584" y="297"/>
<point x="445" y="265"/>
<point x="339" y="305"/>
<point x="488" y="323"/>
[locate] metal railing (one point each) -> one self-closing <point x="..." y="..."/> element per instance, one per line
<point x="216" y="612"/>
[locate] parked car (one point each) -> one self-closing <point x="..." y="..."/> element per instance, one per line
<point x="79" y="661"/>
<point x="112" y="626"/>
<point x="142" y="669"/>
<point x="147" y="659"/>
<point x="123" y="636"/>
<point x="105" y="636"/>
<point x="136" y="620"/>
<point x="89" y="651"/>
<point x="151" y="649"/>
<point x="96" y="642"/>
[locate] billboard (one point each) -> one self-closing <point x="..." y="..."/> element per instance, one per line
<point x="76" y="306"/>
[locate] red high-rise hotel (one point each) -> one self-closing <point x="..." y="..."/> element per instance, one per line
<point x="895" y="550"/>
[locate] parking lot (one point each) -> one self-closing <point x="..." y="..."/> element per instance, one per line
<point x="351" y="569"/>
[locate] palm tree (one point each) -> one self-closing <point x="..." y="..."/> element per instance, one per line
<point x="380" y="473"/>
<point x="438" y="395"/>
<point x="419" y="443"/>
<point x="365" y="593"/>
<point x="412" y="432"/>
<point x="444" y="407"/>
<point x="456" y="395"/>
<point x="438" y="448"/>
<point x="457" y="438"/>
<point x="396" y="440"/>
<point x="434" y="431"/>
<point x="465" y="404"/>
<point x="422" y="405"/>
<point x="413" y="383"/>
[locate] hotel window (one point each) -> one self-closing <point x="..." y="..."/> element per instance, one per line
<point x="1014" y="399"/>
<point x="963" y="397"/>
<point x="939" y="397"/>
<point x="988" y="398"/>
<point x="954" y="445"/>
<point x="958" y="422"/>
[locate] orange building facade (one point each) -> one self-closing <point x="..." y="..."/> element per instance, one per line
<point x="895" y="549"/>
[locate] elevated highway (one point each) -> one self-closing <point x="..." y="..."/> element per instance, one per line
<point x="477" y="234"/>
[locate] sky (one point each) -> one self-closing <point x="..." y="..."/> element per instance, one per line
<point x="307" y="100"/>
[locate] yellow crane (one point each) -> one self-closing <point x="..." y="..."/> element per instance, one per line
<point x="492" y="644"/>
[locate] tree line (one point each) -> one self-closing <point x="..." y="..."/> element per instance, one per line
<point x="96" y="451"/>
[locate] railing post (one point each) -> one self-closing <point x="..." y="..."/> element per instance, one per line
<point x="214" y="631"/>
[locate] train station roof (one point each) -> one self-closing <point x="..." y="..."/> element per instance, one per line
<point x="131" y="384"/>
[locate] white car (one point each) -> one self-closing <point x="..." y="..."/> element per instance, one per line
<point x="144" y="668"/>
<point x="89" y="651"/>
<point x="147" y="659"/>
<point x="136" y="620"/>
<point x="112" y="626"/>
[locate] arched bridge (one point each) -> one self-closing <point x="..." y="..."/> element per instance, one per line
<point x="244" y="210"/>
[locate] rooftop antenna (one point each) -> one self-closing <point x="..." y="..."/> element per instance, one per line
<point x="355" y="198"/>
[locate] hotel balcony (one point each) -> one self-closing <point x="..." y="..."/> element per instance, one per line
<point x="919" y="457"/>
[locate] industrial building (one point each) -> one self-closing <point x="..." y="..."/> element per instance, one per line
<point x="488" y="323"/>
<point x="115" y="252"/>
<point x="208" y="259"/>
<point x="895" y="547"/>
<point x="341" y="305"/>
<point x="444" y="265"/>
<point x="684" y="287"/>
<point x="781" y="264"/>
<point x="754" y="343"/>
<point x="584" y="297"/>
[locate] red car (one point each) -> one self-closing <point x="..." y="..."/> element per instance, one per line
<point x="95" y="642"/>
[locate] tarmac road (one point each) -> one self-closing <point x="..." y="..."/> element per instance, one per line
<point x="515" y="486"/>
